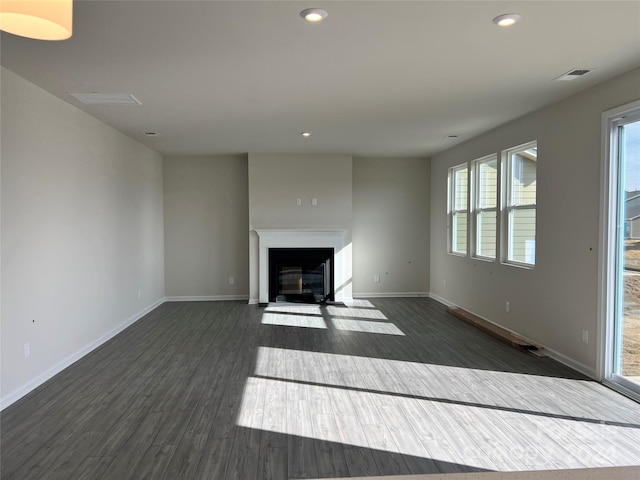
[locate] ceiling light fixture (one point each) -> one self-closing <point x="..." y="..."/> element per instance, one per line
<point x="38" y="19"/>
<point x="506" y="20"/>
<point x="313" y="14"/>
<point x="306" y="134"/>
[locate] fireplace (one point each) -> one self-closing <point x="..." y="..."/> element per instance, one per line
<point x="301" y="275"/>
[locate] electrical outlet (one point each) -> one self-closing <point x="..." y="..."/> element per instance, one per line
<point x="376" y="278"/>
<point x="585" y="337"/>
<point x="27" y="350"/>
<point x="444" y="284"/>
<point x="507" y="307"/>
<point x="139" y="294"/>
<point x="298" y="202"/>
<point x="314" y="202"/>
<point x="232" y="281"/>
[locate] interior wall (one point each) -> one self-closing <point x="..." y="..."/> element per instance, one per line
<point x="82" y="233"/>
<point x="206" y="215"/>
<point x="554" y="302"/>
<point x="276" y="181"/>
<point x="391" y="226"/>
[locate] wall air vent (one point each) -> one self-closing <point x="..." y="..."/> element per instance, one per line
<point x="106" y="98"/>
<point x="573" y="74"/>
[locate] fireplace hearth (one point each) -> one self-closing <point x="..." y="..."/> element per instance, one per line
<point x="301" y="275"/>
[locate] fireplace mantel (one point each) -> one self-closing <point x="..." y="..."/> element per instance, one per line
<point x="305" y="238"/>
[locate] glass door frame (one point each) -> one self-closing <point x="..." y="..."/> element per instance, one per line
<point x="610" y="256"/>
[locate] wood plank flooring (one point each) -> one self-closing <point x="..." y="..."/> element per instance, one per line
<point x="225" y="390"/>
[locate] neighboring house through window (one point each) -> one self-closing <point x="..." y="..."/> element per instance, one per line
<point x="520" y="166"/>
<point x="458" y="208"/>
<point x="485" y="206"/>
<point x="473" y="206"/>
<point x="632" y="215"/>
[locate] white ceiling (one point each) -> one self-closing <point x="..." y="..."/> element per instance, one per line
<point x="375" y="78"/>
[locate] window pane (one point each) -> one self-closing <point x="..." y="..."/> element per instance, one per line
<point x="458" y="208"/>
<point x="522" y="236"/>
<point x="523" y="177"/>
<point x="459" y="240"/>
<point x="460" y="189"/>
<point x="488" y="184"/>
<point x="486" y="234"/>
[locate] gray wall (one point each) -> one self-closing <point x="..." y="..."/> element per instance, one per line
<point x="82" y="233"/>
<point x="277" y="181"/>
<point x="391" y="226"/>
<point x="210" y="201"/>
<point x="555" y="301"/>
<point x="206" y="216"/>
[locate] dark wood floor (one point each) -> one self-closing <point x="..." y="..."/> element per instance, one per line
<point x="222" y="390"/>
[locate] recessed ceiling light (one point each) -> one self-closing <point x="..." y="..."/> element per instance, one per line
<point x="313" y="14"/>
<point x="506" y="20"/>
<point x="151" y="134"/>
<point x="453" y="136"/>
<point x="306" y="134"/>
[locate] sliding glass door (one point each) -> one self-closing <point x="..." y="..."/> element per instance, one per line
<point x="622" y="329"/>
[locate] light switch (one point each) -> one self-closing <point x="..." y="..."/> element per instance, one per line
<point x="314" y="202"/>
<point x="298" y="201"/>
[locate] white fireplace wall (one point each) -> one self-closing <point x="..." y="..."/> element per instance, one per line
<point x="277" y="181"/>
<point x="296" y="238"/>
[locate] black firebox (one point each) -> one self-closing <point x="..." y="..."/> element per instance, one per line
<point x="301" y="275"/>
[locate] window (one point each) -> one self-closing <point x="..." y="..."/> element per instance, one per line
<point x="458" y="208"/>
<point x="618" y="365"/>
<point x="520" y="204"/>
<point x="474" y="207"/>
<point x="485" y="206"/>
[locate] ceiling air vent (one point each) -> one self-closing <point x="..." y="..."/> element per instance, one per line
<point x="106" y="98"/>
<point x="573" y="74"/>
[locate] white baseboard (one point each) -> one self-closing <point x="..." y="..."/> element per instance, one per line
<point x="442" y="300"/>
<point x="71" y="359"/>
<point x="206" y="298"/>
<point x="557" y="356"/>
<point x="390" y="294"/>
<point x="254" y="301"/>
<point x="570" y="362"/>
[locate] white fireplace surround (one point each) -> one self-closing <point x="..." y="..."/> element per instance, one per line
<point x="274" y="238"/>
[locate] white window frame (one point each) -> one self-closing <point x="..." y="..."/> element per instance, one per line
<point x="611" y="192"/>
<point x="508" y="207"/>
<point x="477" y="210"/>
<point x="452" y="211"/>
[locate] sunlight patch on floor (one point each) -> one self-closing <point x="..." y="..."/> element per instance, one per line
<point x="303" y="308"/>
<point x="362" y="310"/>
<point x="384" y="328"/>
<point x="329" y="316"/>
<point x="360" y="302"/>
<point x="449" y="432"/>
<point x="506" y="390"/>
<point x="288" y="320"/>
<point x="368" y="313"/>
